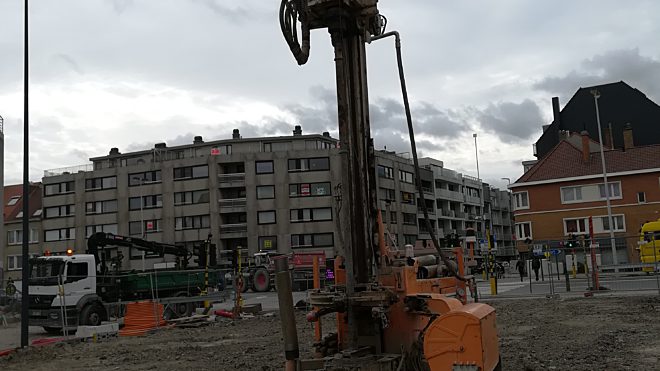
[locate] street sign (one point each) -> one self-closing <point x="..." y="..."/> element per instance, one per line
<point x="537" y="249"/>
<point x="555" y="251"/>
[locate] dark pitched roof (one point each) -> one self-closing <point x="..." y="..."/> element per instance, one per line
<point x="619" y="104"/>
<point x="565" y="161"/>
<point x="11" y="211"/>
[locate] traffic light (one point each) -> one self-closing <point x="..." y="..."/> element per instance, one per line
<point x="200" y="252"/>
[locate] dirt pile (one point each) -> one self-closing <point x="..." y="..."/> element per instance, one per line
<point x="535" y="334"/>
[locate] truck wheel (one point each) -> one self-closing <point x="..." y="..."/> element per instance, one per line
<point x="92" y="315"/>
<point x="261" y="280"/>
<point x="53" y="330"/>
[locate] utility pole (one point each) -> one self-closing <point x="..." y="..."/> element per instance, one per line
<point x="615" y="259"/>
<point x="25" y="294"/>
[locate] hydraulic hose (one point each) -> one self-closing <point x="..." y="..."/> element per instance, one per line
<point x="411" y="133"/>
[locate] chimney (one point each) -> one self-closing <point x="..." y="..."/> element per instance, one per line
<point x="628" y="141"/>
<point x="585" y="146"/>
<point x="160" y="145"/>
<point x="236" y="134"/>
<point x="114" y="151"/>
<point x="326" y="134"/>
<point x="297" y="130"/>
<point x="198" y="140"/>
<point x="556" y="112"/>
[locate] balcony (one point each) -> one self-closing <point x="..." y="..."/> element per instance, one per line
<point x="430" y="210"/>
<point x="471" y="200"/>
<point x="425" y="235"/>
<point x="427" y="190"/>
<point x="233" y="230"/>
<point x="231" y="180"/>
<point x="446" y="194"/>
<point x="232" y="205"/>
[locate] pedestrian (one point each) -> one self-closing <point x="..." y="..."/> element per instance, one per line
<point x="520" y="266"/>
<point x="536" y="265"/>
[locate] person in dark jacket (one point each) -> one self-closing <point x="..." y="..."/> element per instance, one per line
<point x="520" y="266"/>
<point x="536" y="265"/>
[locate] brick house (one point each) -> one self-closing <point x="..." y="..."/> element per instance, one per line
<point x="557" y="195"/>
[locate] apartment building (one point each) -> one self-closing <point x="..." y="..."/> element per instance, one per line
<point x="261" y="193"/>
<point x="557" y="195"/>
<point x="11" y="246"/>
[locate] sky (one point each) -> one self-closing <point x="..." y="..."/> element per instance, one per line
<point x="131" y="73"/>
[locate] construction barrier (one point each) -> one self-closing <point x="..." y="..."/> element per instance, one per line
<point x="142" y="317"/>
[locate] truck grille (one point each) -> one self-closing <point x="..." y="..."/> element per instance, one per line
<point x="41" y="301"/>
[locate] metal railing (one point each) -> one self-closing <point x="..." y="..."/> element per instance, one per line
<point x="233" y="228"/>
<point x="69" y="170"/>
<point x="232" y="202"/>
<point x="231" y="180"/>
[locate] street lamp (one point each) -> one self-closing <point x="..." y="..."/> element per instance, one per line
<point x="481" y="198"/>
<point x="615" y="259"/>
<point x="508" y="181"/>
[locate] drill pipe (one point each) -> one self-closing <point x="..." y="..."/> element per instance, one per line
<point x="287" y="315"/>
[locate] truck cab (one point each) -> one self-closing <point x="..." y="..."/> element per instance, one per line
<point x="63" y="292"/>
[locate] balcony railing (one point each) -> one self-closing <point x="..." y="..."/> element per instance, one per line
<point x="232" y="202"/>
<point x="472" y="199"/>
<point x="233" y="228"/>
<point x="231" y="180"/>
<point x="69" y="170"/>
<point x="430" y="210"/>
<point x="448" y="195"/>
<point x="427" y="190"/>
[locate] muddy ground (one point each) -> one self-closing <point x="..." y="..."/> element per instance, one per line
<point x="605" y="333"/>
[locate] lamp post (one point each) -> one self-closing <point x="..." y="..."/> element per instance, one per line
<point x="25" y="273"/>
<point x="142" y="232"/>
<point x="615" y="259"/>
<point x="508" y="181"/>
<point x="481" y="198"/>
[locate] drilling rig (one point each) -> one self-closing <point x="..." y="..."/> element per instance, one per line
<point x="388" y="318"/>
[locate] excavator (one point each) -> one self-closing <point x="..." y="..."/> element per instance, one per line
<point x="389" y="315"/>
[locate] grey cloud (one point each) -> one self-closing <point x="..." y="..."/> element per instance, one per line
<point x="81" y="155"/>
<point x="120" y="6"/>
<point x="237" y="14"/>
<point x="511" y="122"/>
<point x="628" y="65"/>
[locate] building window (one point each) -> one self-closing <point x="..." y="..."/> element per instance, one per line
<point x="571" y="194"/>
<point x="521" y="200"/>
<point x="318" y="144"/>
<point x="267" y="243"/>
<point x="101" y="207"/>
<point x="619" y="223"/>
<point x="146" y="226"/>
<point x="12" y="201"/>
<point x="266" y="217"/>
<point x="107" y="228"/>
<point x="264" y="167"/>
<point x="524" y="230"/>
<point x="191" y="197"/>
<point x="576" y="226"/>
<point x="641" y="197"/>
<point x="146" y="177"/>
<point x="14" y="262"/>
<point x="615" y="190"/>
<point x="310" y="189"/>
<point x="409" y="239"/>
<point x="299" y="241"/>
<point x="96" y="184"/>
<point x="15" y="237"/>
<point x="59" y="188"/>
<point x="265" y="192"/>
<point x="407" y="198"/>
<point x="309" y="164"/>
<point x="191" y="172"/>
<point x="409" y="219"/>
<point x="148" y="202"/>
<point x="392" y="217"/>
<point x="386" y="194"/>
<point x="385" y="172"/>
<point x="59" y="211"/>
<point x="221" y="150"/>
<point x="406" y="177"/>
<point x="61" y="234"/>
<point x="311" y="215"/>
<point x="191" y="222"/>
<point x="277" y="146"/>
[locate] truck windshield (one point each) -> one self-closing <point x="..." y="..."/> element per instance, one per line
<point x="46" y="271"/>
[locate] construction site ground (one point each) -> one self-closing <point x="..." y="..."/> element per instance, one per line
<point x="598" y="333"/>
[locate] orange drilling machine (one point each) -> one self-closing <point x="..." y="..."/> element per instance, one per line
<point x="393" y="312"/>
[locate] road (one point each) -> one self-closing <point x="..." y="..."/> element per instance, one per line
<point x="512" y="286"/>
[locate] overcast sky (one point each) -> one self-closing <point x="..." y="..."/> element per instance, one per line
<point x="130" y="73"/>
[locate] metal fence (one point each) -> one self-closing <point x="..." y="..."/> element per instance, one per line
<point x="578" y="266"/>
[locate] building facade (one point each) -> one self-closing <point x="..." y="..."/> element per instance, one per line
<point x="11" y="246"/>
<point x="277" y="193"/>
<point x="556" y="197"/>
